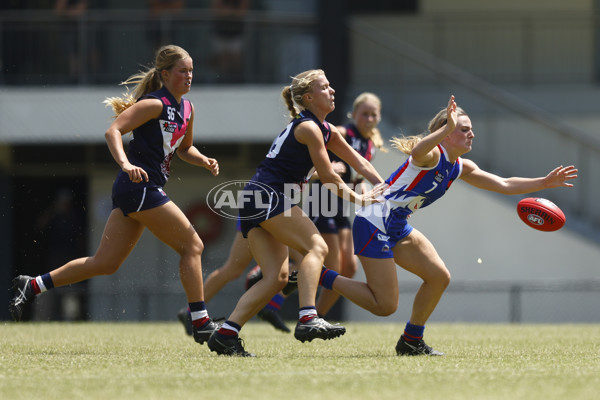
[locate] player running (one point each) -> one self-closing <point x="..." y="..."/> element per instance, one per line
<point x="161" y="119"/>
<point x="272" y="223"/>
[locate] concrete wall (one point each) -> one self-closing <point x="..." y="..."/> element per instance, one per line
<point x="77" y="115"/>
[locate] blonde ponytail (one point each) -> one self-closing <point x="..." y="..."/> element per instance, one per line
<point x="301" y="84"/>
<point x="407" y="143"/>
<point x="286" y="93"/>
<point x="147" y="81"/>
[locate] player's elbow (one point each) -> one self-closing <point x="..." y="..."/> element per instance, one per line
<point x="111" y="135"/>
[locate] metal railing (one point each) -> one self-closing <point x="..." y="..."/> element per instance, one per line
<point x="106" y="46"/>
<point x="40" y="47"/>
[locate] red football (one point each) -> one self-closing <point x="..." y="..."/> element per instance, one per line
<point x="541" y="214"/>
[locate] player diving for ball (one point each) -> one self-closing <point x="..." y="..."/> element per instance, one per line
<point x="383" y="237"/>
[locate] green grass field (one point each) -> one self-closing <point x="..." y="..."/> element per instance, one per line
<point x="158" y="361"/>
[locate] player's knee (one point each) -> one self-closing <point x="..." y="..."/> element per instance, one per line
<point x="283" y="280"/>
<point x="448" y="278"/>
<point x="442" y="277"/>
<point x="197" y="245"/>
<point x="385" y="308"/>
<point x="319" y="247"/>
<point x="193" y="247"/>
<point x="276" y="281"/>
<point x="234" y="267"/>
<point x="349" y="270"/>
<point x="106" y="268"/>
<point x="235" y="275"/>
<point x="228" y="273"/>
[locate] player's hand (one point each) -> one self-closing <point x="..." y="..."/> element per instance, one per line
<point x="374" y="195"/>
<point x="560" y="176"/>
<point x="136" y="174"/>
<point x="212" y="165"/>
<point x="451" y="116"/>
<point x="380" y="188"/>
<point x="339" y="167"/>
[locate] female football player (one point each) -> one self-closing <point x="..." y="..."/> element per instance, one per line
<point x="383" y="237"/>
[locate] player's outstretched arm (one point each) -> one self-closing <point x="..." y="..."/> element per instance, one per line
<point x="558" y="177"/>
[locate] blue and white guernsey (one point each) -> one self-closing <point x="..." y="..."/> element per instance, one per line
<point x="412" y="188"/>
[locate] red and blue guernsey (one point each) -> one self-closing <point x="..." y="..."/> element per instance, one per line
<point x="155" y="142"/>
<point x="288" y="161"/>
<point x="412" y="188"/>
<point x="358" y="142"/>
